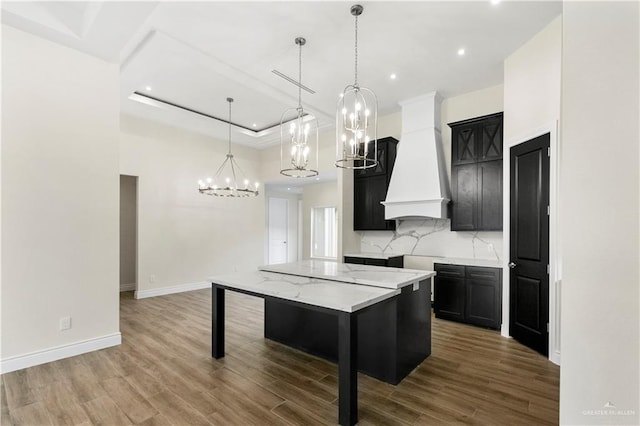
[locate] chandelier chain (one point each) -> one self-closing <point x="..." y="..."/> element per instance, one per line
<point x="229" y="125"/>
<point x="300" y="76"/>
<point x="356" y="54"/>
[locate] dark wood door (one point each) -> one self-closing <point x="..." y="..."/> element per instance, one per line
<point x="529" y="244"/>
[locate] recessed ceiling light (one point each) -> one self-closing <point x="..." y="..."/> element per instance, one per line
<point x="342" y="95"/>
<point x="494" y="2"/>
<point x="317" y="178"/>
<point x="460" y="52"/>
<point x="392" y="76"/>
<point x="288" y="189"/>
<point x="255" y="125"/>
<point x="148" y="88"/>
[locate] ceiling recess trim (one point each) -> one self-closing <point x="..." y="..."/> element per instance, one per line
<point x="157" y="102"/>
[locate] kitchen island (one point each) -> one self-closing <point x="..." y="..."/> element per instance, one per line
<point x="369" y="319"/>
<point x="393" y="337"/>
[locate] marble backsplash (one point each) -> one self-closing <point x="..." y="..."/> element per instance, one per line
<point x="433" y="237"/>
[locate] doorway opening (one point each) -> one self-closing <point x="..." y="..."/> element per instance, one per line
<point x="278" y="230"/>
<point x="128" y="232"/>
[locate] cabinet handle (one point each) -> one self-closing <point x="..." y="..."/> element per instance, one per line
<point x="512" y="265"/>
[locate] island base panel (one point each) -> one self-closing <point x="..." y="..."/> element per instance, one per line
<point x="394" y="336"/>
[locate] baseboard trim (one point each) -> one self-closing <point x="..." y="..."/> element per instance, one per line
<point x="127" y="287"/>
<point x="43" y="356"/>
<point x="142" y="294"/>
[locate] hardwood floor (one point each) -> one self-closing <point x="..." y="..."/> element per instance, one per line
<point x="163" y="374"/>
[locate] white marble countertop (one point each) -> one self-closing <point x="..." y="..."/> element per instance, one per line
<point x="324" y="293"/>
<point x="376" y="276"/>
<point x="372" y="255"/>
<point x="469" y="262"/>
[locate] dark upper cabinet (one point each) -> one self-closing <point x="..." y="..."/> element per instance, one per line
<point x="464" y="193"/>
<point x="490" y="140"/>
<point x="370" y="188"/>
<point x="476" y="174"/>
<point x="489" y="199"/>
<point x="463" y="143"/>
<point x="476" y="139"/>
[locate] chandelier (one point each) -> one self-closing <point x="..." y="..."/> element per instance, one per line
<point x="229" y="180"/>
<point x="299" y="136"/>
<point x="356" y="120"/>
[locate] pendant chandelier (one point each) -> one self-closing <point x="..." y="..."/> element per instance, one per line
<point x="357" y="120"/>
<point x="299" y="136"/>
<point x="229" y="180"/>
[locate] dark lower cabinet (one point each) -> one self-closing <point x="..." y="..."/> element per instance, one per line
<point x="449" y="292"/>
<point x="468" y="294"/>
<point x="391" y="262"/>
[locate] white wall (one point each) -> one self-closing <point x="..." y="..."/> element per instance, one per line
<point x="532" y="78"/>
<point x="59" y="200"/>
<point x="600" y="213"/>
<point x="184" y="236"/>
<point x="128" y="201"/>
<point x="316" y="195"/>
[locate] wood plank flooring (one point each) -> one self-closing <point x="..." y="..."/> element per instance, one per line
<point x="163" y="374"/>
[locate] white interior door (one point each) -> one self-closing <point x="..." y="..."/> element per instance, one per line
<point x="278" y="229"/>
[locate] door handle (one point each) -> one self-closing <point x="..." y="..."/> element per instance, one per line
<point x="512" y="265"/>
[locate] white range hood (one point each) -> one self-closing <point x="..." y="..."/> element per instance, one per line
<point x="419" y="186"/>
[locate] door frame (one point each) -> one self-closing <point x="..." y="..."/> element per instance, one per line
<point x="555" y="270"/>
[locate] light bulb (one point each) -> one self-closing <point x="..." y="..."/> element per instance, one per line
<point x="352" y="116"/>
<point x="344" y="137"/>
<point x="257" y="184"/>
<point x="366" y="139"/>
<point x="306" y="150"/>
<point x="352" y="142"/>
<point x="293" y="150"/>
<point x="227" y="180"/>
<point x="366" y="112"/>
<point x="200" y="183"/>
<point x="344" y="111"/>
<point x="209" y="180"/>
<point x="358" y="106"/>
<point x="358" y="134"/>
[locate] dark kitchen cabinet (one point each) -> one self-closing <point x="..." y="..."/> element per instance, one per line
<point x="370" y="188"/>
<point x="468" y="294"/>
<point x="449" y="292"/>
<point x="391" y="262"/>
<point x="476" y="174"/>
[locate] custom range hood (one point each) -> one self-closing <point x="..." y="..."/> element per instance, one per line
<point x="419" y="186"/>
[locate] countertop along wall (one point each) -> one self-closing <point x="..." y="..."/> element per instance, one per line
<point x="432" y="237"/>
<point x="184" y="236"/>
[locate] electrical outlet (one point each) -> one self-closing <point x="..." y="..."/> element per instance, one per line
<point x="152" y="279"/>
<point x="65" y="323"/>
